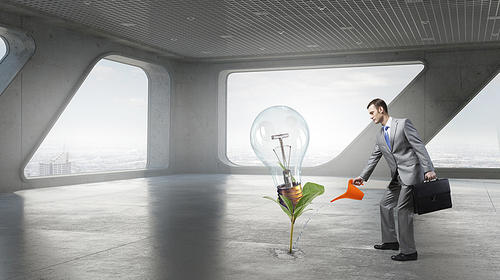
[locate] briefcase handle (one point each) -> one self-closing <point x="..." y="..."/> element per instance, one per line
<point x="427" y="181"/>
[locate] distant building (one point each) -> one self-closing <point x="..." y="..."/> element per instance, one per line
<point x="59" y="165"/>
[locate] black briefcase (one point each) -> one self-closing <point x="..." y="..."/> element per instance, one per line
<point x="430" y="196"/>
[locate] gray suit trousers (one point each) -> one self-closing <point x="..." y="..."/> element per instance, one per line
<point x="400" y="197"/>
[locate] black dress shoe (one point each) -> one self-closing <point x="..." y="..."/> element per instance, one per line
<point x="388" y="246"/>
<point x="402" y="257"/>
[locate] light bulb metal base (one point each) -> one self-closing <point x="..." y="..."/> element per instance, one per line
<point x="294" y="193"/>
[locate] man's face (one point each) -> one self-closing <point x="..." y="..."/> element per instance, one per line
<point x="375" y="114"/>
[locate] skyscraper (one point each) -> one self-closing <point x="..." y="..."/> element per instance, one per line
<point x="59" y="165"/>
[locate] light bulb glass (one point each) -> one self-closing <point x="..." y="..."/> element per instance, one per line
<point x="280" y="137"/>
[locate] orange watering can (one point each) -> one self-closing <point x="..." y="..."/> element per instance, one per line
<point x="352" y="192"/>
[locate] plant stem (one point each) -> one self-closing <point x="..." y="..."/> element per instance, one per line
<point x="291" y="236"/>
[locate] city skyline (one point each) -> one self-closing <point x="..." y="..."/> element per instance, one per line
<point x="96" y="159"/>
<point x="99" y="160"/>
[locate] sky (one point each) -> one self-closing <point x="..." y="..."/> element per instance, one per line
<point x="477" y="124"/>
<point x="332" y="101"/>
<point x="109" y="110"/>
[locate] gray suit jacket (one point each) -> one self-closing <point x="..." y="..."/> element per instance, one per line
<point x="408" y="158"/>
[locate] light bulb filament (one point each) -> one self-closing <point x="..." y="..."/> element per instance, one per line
<point x="280" y="137"/>
<point x="285" y="161"/>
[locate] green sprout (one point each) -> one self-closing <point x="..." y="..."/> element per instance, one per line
<point x="310" y="191"/>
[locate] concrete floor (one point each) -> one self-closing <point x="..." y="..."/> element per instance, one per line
<point x="220" y="227"/>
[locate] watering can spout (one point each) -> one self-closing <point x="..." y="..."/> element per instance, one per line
<point x="352" y="192"/>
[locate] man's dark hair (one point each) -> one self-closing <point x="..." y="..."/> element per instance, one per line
<point x="378" y="103"/>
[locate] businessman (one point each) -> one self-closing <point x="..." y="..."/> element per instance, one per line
<point x="409" y="162"/>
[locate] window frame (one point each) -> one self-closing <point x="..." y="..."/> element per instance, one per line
<point x="158" y="131"/>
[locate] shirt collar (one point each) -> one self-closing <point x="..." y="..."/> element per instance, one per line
<point x="389" y="122"/>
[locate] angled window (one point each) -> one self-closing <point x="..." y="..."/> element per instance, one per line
<point x="103" y="128"/>
<point x="331" y="100"/>
<point x="3" y="48"/>
<point x="472" y="138"/>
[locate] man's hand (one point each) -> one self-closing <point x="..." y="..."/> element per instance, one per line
<point x="431" y="175"/>
<point x="358" y="181"/>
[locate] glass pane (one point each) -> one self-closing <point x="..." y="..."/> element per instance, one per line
<point x="103" y="128"/>
<point x="472" y="138"/>
<point x="332" y="101"/>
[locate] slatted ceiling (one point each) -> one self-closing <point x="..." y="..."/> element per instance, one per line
<point x="251" y="28"/>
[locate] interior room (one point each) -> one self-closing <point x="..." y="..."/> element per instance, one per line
<point x="126" y="136"/>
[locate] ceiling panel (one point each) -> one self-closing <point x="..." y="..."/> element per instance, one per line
<point x="196" y="29"/>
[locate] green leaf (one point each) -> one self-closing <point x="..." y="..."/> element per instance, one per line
<point x="310" y="192"/>
<point x="270" y="198"/>
<point x="313" y="187"/>
<point x="298" y="211"/>
<point x="288" y="212"/>
<point x="301" y="212"/>
<point x="306" y="199"/>
<point x="288" y="203"/>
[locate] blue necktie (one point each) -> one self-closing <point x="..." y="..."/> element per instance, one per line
<point x="386" y="134"/>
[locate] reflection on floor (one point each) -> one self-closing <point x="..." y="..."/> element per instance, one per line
<point x="220" y="227"/>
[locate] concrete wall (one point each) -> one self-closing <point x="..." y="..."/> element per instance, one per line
<point x="38" y="94"/>
<point x="452" y="78"/>
<point x="190" y="131"/>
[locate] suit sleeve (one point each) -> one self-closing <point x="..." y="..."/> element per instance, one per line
<point x="372" y="163"/>
<point x="418" y="146"/>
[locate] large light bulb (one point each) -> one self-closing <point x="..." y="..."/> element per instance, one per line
<point x="280" y="137"/>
